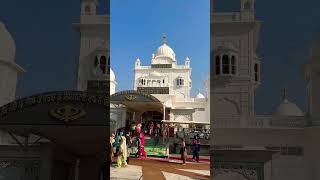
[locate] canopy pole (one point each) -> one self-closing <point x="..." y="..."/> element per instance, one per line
<point x="164" y="118"/>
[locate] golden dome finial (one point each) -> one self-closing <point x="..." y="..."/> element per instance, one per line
<point x="285" y="93"/>
<point x="164" y="39"/>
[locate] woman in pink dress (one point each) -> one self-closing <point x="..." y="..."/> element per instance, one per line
<point x="142" y="152"/>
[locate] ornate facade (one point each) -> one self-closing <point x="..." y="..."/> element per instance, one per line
<point x="235" y="74"/>
<point x="171" y="84"/>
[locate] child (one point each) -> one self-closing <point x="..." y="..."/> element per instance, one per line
<point x="183" y="152"/>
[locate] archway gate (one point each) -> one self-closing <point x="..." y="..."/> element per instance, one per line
<point x="75" y="127"/>
<point x="136" y="104"/>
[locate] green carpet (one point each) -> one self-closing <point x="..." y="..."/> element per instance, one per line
<point x="159" y="150"/>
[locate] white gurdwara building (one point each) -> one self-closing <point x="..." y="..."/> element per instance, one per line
<point x="171" y="84"/>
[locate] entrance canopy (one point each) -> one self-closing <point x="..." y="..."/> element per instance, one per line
<point x="136" y="101"/>
<point x="73" y="120"/>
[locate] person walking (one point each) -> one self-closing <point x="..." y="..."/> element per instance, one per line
<point x="121" y="162"/>
<point x="138" y="146"/>
<point x="196" y="148"/>
<point x="183" y="152"/>
<point x="156" y="134"/>
<point x="116" y="145"/>
<point x="128" y="142"/>
<point x="112" y="140"/>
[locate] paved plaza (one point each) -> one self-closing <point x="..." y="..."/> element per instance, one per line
<point x="161" y="170"/>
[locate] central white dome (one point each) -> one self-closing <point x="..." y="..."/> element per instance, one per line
<point x="7" y="45"/>
<point x="165" y="51"/>
<point x="164" y="54"/>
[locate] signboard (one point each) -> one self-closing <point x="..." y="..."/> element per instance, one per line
<point x="154" y="90"/>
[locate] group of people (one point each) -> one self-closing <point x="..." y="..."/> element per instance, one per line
<point x="122" y="144"/>
<point x="125" y="140"/>
<point x="195" y="150"/>
<point x="152" y="129"/>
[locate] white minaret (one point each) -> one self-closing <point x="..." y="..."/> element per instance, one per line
<point x="94" y="44"/>
<point x="9" y="70"/>
<point x="312" y="76"/>
<point x="247" y="10"/>
<point x="235" y="68"/>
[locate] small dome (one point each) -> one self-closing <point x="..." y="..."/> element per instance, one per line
<point x="200" y="96"/>
<point x="287" y="108"/>
<point x="112" y="75"/>
<point x="7" y="45"/>
<point x="155" y="74"/>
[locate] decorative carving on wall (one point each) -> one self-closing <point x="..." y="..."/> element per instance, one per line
<point x="248" y="174"/>
<point x="139" y="94"/>
<point x="236" y="105"/>
<point x="59" y="97"/>
<point x="181" y="116"/>
<point x="67" y="113"/>
<point x="131" y="97"/>
<point x="245" y="170"/>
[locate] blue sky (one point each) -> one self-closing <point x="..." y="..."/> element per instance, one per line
<point x="137" y="28"/>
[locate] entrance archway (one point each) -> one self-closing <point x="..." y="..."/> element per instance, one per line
<point x="74" y="126"/>
<point x="137" y="105"/>
<point x="141" y="108"/>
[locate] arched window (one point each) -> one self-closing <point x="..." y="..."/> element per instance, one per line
<point x="225" y="64"/>
<point x="87" y="9"/>
<point x="233" y="65"/>
<point x="103" y="64"/>
<point x="218" y="65"/>
<point x="180" y="81"/>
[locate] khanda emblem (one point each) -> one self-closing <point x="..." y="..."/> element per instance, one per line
<point x="130" y="97"/>
<point x="67" y="113"/>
